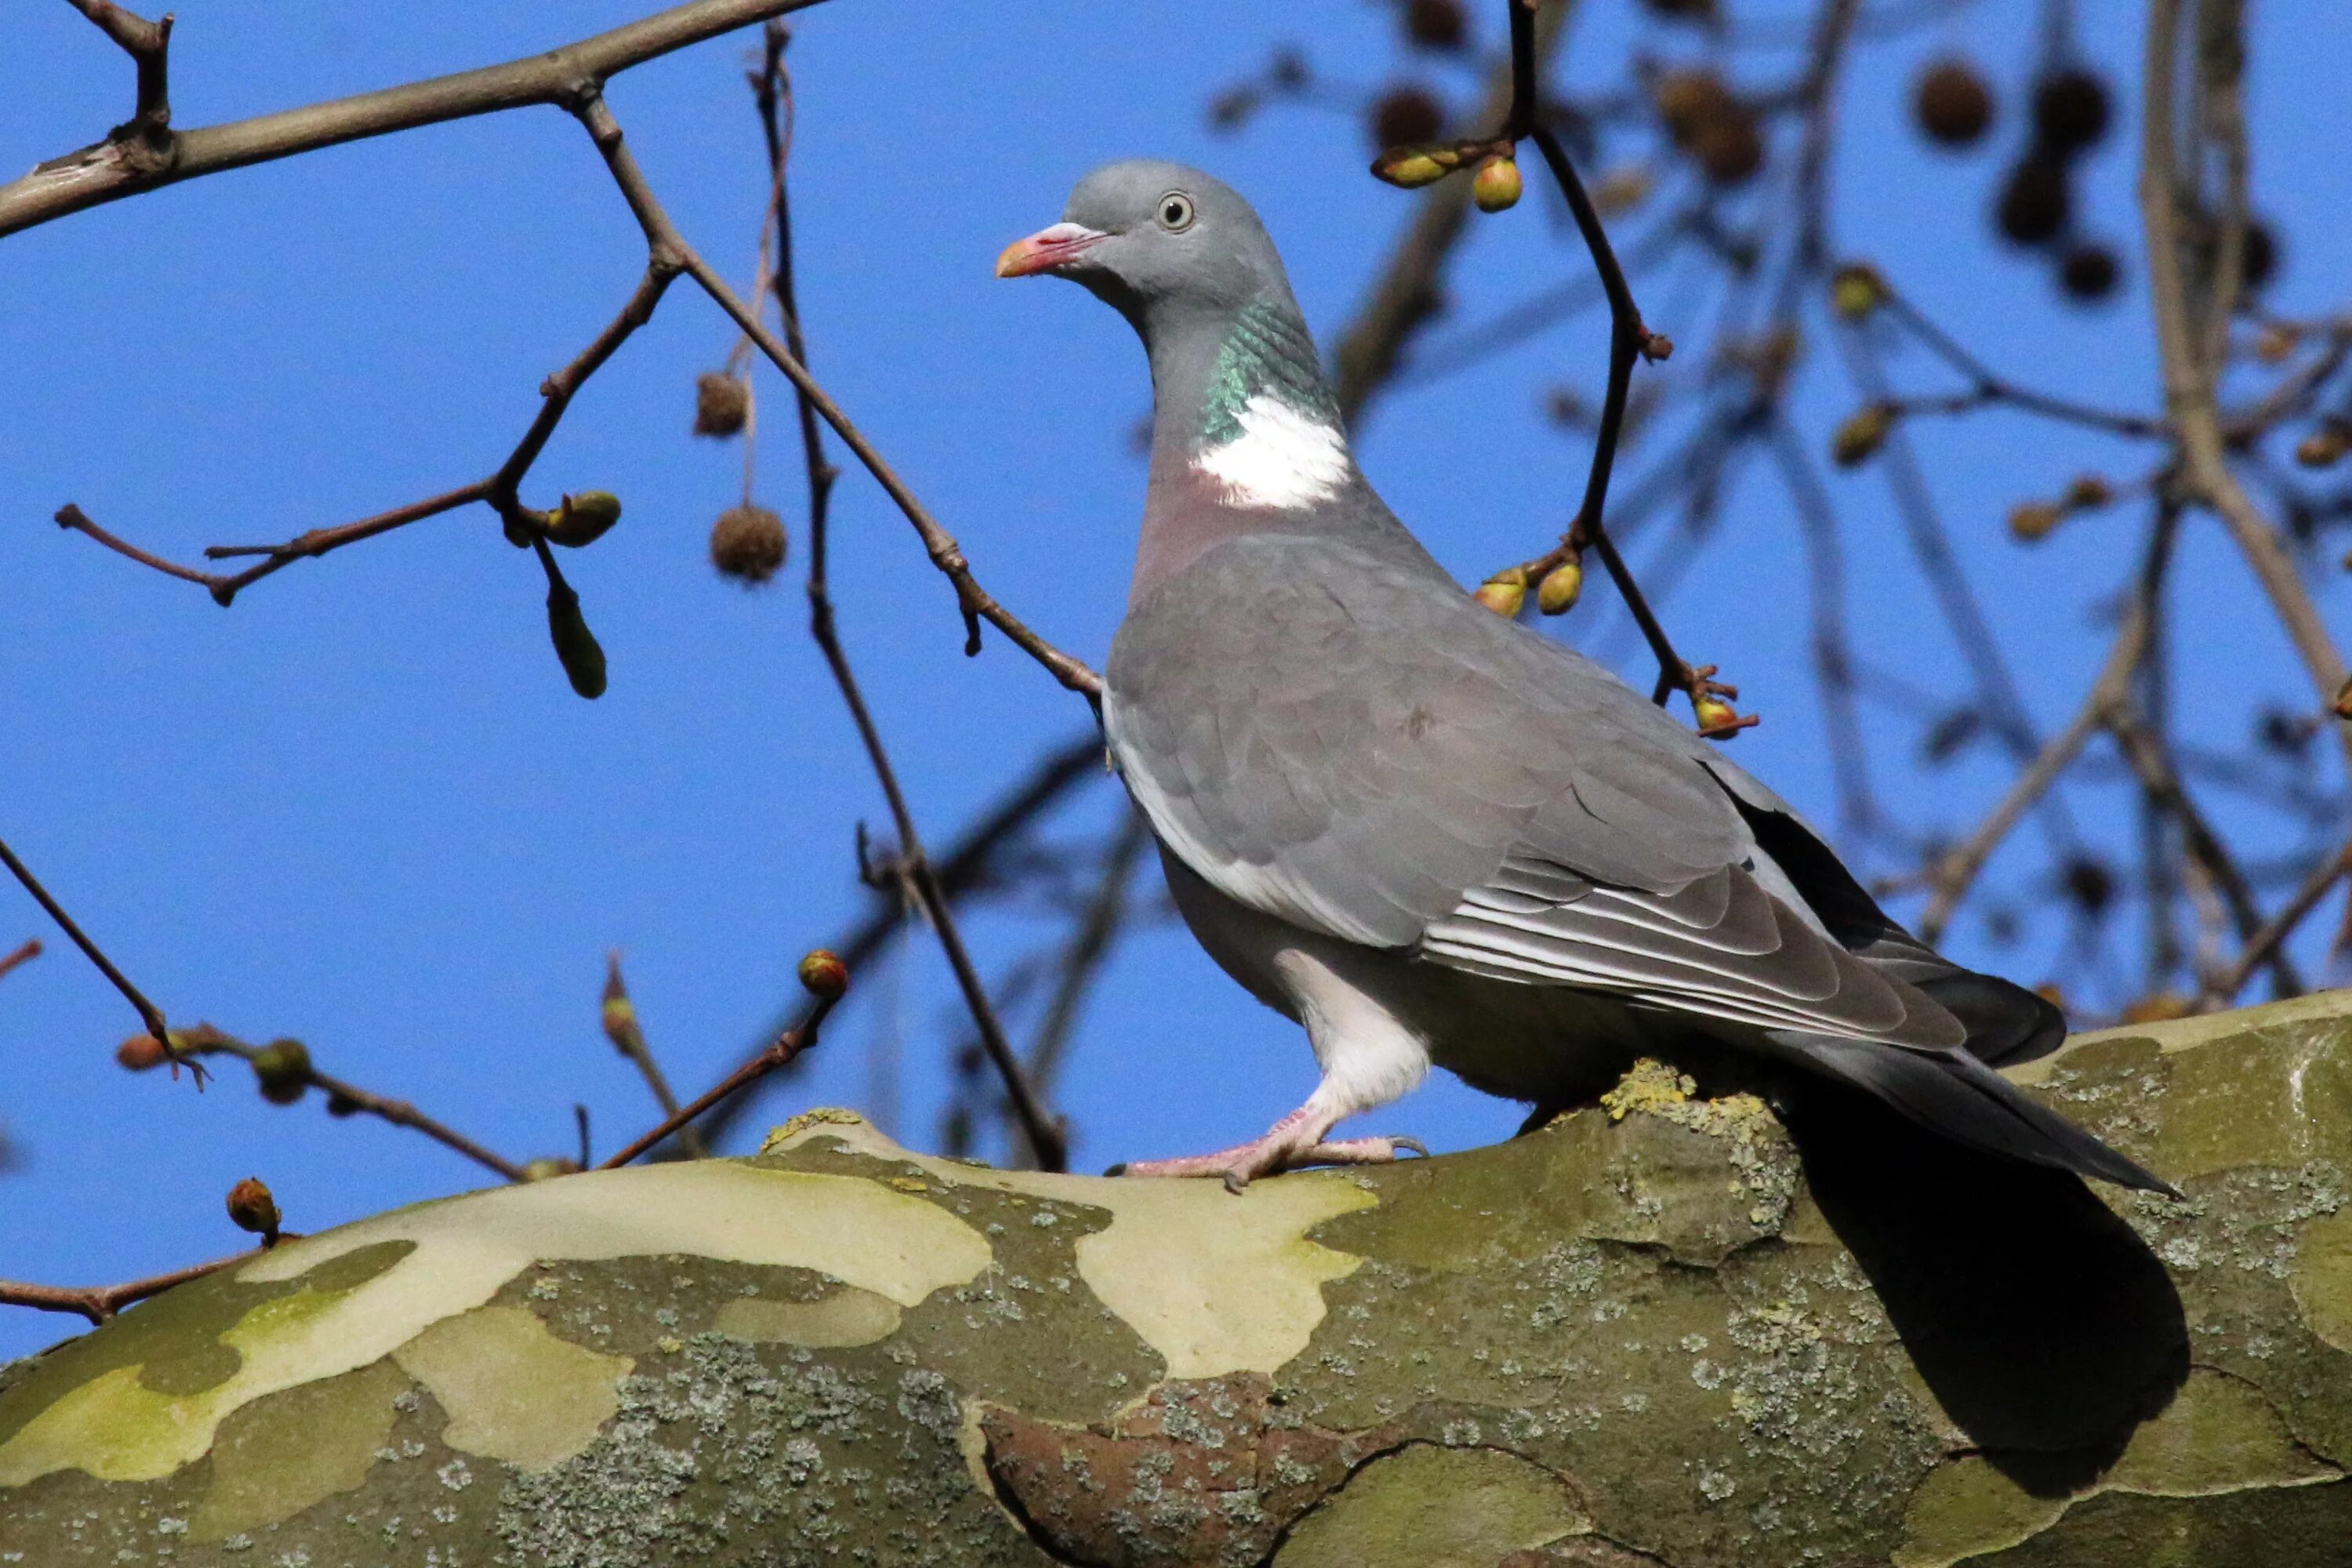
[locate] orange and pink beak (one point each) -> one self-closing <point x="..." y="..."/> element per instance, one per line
<point x="1047" y="250"/>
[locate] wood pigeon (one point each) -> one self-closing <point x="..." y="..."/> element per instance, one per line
<point x="1429" y="834"/>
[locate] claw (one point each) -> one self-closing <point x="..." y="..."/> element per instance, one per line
<point x="1415" y="1144"/>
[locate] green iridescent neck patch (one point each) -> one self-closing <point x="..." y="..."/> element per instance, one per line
<point x="1268" y="352"/>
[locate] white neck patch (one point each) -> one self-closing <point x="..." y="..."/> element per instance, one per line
<point x="1282" y="457"/>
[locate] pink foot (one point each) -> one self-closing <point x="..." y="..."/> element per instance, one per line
<point x="1285" y="1148"/>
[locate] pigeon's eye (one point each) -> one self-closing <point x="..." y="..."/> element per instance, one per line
<point x="1175" y="212"/>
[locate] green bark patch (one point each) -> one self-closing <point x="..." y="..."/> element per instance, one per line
<point x="278" y="1456"/>
<point x="1436" y="1507"/>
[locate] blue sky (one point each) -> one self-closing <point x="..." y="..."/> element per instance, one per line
<point x="363" y="807"/>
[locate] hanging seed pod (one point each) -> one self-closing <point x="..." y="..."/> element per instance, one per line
<point x="722" y="403"/>
<point x="1952" y="103"/>
<point x="2071" y="109"/>
<point x="2089" y="273"/>
<point x="748" y="543"/>
<point x="575" y="645"/>
<point x="2034" y="201"/>
<point x="1404" y="115"/>
<point x="1438" y="25"/>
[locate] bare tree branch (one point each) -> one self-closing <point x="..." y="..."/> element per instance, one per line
<point x="149" y="1014"/>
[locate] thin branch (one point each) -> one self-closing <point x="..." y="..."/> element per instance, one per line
<point x="787" y="1045"/>
<point x="1957" y="872"/>
<point x="2189" y="380"/>
<point x="498" y="490"/>
<point x="346" y="1098"/>
<point x="2223" y="988"/>
<point x="969" y="866"/>
<point x="1046" y="1138"/>
<point x="149" y="45"/>
<point x="663" y="237"/>
<point x="100" y="1302"/>
<point x="619" y="1014"/>
<point x="1405" y="294"/>
<point x="26" y="952"/>
<point x="1987" y="386"/>
<point x="149" y="1014"/>
<point x="1090" y="948"/>
<point x="562" y="77"/>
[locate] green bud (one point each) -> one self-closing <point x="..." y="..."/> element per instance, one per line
<point x="583" y="518"/>
<point x="575" y="645"/>
<point x="1496" y="184"/>
<point x="1560" y="588"/>
<point x="1856" y="291"/>
<point x="283" y="1067"/>
<point x="1504" y="592"/>
<point x="1863" y="432"/>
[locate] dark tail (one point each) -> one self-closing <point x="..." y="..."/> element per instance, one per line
<point x="1954" y="1094"/>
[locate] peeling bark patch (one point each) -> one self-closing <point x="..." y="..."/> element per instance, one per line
<point x="847" y="1316"/>
<point x="2220" y="1436"/>
<point x="513" y="1391"/>
<point x="1215" y="1283"/>
<point x="1202" y="1473"/>
<point x="278" y="1456"/>
<point x="2322" y="1280"/>
<point x="1436" y="1507"/>
<point x="462" y="1251"/>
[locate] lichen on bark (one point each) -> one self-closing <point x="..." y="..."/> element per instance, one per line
<point x="1662" y="1330"/>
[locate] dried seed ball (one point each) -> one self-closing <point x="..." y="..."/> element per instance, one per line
<point x="1288" y="71"/>
<point x="721" y="404"/>
<point x="2089" y="885"/>
<point x="1952" y="103"/>
<point x="1730" y="147"/>
<point x="747" y="544"/>
<point x="1232" y="109"/>
<point x="1435" y="24"/>
<point x="2088" y="273"/>
<point x="250" y="1206"/>
<point x="2033" y="201"/>
<point x="2069" y="111"/>
<point x="1688" y="100"/>
<point x="1404" y="116"/>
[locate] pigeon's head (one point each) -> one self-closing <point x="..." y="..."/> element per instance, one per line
<point x="1155" y="239"/>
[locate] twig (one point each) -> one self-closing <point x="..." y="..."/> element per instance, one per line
<point x="2223" y="988"/>
<point x="664" y="241"/>
<point x="1046" y="1138"/>
<point x="1987" y="386"/>
<point x="1817" y="522"/>
<point x="149" y="1014"/>
<point x="498" y="490"/>
<point x="344" y="1098"/>
<point x="149" y="45"/>
<point x="2189" y="379"/>
<point x="1089" y="947"/>
<point x="1953" y="876"/>
<point x="562" y="77"/>
<point x="100" y="1302"/>
<point x="1403" y="296"/>
<point x="2157" y="775"/>
<point x="787" y="1045"/>
<point x="619" y="1014"/>
<point x="26" y="952"/>
<point x="966" y="867"/>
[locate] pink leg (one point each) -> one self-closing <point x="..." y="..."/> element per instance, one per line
<point x="1290" y="1143"/>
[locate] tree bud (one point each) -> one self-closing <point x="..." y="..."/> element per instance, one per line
<point x="1863" y="432"/>
<point x="823" y="976"/>
<point x="250" y="1208"/>
<point x="2323" y="447"/>
<point x="283" y="1068"/>
<point x="1505" y="592"/>
<point x="2088" y="493"/>
<point x="1856" y="291"/>
<point x="575" y="645"/>
<point x="1413" y="167"/>
<point x="1497" y="184"/>
<point x="1560" y="587"/>
<point x="1714" y="713"/>
<point x="583" y="518"/>
<point x="139" y="1052"/>
<point x="548" y="1166"/>
<point x="2034" y="519"/>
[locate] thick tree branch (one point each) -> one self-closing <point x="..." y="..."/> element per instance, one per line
<point x="563" y="76"/>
